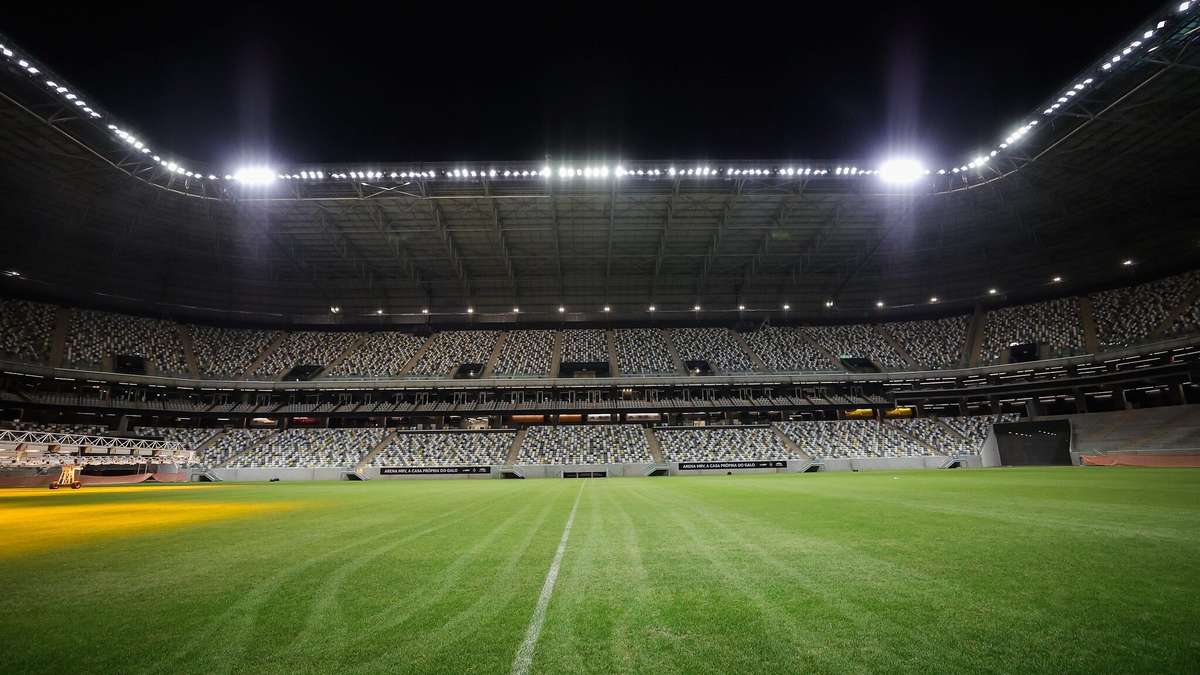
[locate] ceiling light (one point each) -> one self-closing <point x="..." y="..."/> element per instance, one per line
<point x="516" y="310"/>
<point x="1057" y="279"/>
<point x="652" y="308"/>
<point x="334" y="309"/>
<point x="695" y="308"/>
<point x="561" y="309"/>
<point x="253" y="175"/>
<point x="829" y="303"/>
<point x="786" y="306"/>
<point x="879" y="303"/>
<point x="933" y="299"/>
<point x="470" y="310"/>
<point x="992" y="291"/>
<point x="741" y="308"/>
<point x="1127" y="262"/>
<point x="379" y="312"/>
<point x="424" y="310"/>
<point x="607" y="308"/>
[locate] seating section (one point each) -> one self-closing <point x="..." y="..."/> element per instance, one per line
<point x="452" y="349"/>
<point x="189" y="438"/>
<point x="939" y="436"/>
<point x="1055" y="323"/>
<point x="718" y="346"/>
<point x="55" y="428"/>
<point x="786" y="350"/>
<point x="25" y="330"/>
<point x="449" y="448"/>
<point x="1126" y="316"/>
<point x="932" y="344"/>
<point x="227" y="353"/>
<point x="526" y="352"/>
<point x="709" y="444"/>
<point x="857" y="340"/>
<point x="381" y="354"/>
<point x="306" y="348"/>
<point x="607" y="444"/>
<point x="975" y="428"/>
<point x="1189" y="320"/>
<point x="588" y="345"/>
<point x="311" y="448"/>
<point x="851" y="439"/>
<point x="643" y="351"/>
<point x="92" y="336"/>
<point x="231" y="443"/>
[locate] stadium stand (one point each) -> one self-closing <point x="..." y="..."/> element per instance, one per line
<point x="857" y="340"/>
<point x="381" y="354"/>
<point x="643" y="351"/>
<point x="191" y="439"/>
<point x="936" y="435"/>
<point x="710" y="444"/>
<point x="56" y="428"/>
<point x="1127" y="316"/>
<point x="1171" y="429"/>
<point x="525" y="352"/>
<point x="229" y="444"/>
<point x="227" y="353"/>
<point x="975" y="428"/>
<point x="588" y="345"/>
<point x="448" y="448"/>
<point x="306" y="348"/>
<point x="311" y="448"/>
<point x="606" y="444"/>
<point x="932" y="344"/>
<point x="452" y="349"/>
<point x="93" y="336"/>
<point x="717" y="346"/>
<point x="851" y="439"/>
<point x="1055" y="323"/>
<point x="25" y="329"/>
<point x="786" y="350"/>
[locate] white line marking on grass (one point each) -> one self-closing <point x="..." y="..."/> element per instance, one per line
<point x="524" y="658"/>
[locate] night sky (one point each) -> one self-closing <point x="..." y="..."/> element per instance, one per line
<point x="440" y="81"/>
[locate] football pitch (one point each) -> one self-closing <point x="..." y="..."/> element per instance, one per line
<point x="1032" y="570"/>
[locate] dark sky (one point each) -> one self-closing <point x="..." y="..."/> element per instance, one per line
<point x="425" y="81"/>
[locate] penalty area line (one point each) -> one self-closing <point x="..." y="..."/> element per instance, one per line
<point x="524" y="657"/>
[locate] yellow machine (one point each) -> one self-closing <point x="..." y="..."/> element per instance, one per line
<point x="68" y="477"/>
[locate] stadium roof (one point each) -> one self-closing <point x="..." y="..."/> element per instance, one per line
<point x="1100" y="173"/>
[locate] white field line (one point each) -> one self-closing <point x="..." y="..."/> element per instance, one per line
<point x="524" y="658"/>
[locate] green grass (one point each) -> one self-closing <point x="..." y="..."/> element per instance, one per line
<point x="1033" y="570"/>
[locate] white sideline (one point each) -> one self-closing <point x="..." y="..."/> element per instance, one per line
<point x="524" y="658"/>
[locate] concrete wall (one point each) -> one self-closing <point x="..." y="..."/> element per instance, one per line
<point x="290" y="473"/>
<point x="884" y="463"/>
<point x="556" y="471"/>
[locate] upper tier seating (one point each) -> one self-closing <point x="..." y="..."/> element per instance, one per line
<point x="932" y="344"/>
<point x="446" y="448"/>
<point x="526" y="352"/>
<point x="607" y="444"/>
<point x="857" y="340"/>
<point x="643" y="351"/>
<point x="25" y="330"/>
<point x="787" y="350"/>
<point x="381" y="354"/>
<point x="1126" y="316"/>
<point x="57" y="428"/>
<point x="851" y="439"/>
<point x="227" y="353"/>
<point x="92" y="336"/>
<point x="312" y="448"/>
<point x="703" y="444"/>
<point x="1055" y="323"/>
<point x="306" y="348"/>
<point x="718" y="346"/>
<point x="589" y="345"/>
<point x="452" y="349"/>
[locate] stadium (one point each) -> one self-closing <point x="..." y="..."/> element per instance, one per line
<point x="605" y="413"/>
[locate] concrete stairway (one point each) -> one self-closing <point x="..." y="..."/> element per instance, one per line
<point x="675" y="359"/>
<point x="416" y="358"/>
<point x="788" y="443"/>
<point x="58" y="339"/>
<point x="556" y="353"/>
<point x="1091" y="340"/>
<point x="207" y="443"/>
<point x="833" y="360"/>
<point x="755" y="359"/>
<point x="613" y="367"/>
<point x="266" y="352"/>
<point x="974" y="347"/>
<point x="891" y="340"/>
<point x="514" y="450"/>
<point x="655" y="446"/>
<point x="495" y="355"/>
<point x="337" y="361"/>
<point x="189" y="351"/>
<point x="374" y="451"/>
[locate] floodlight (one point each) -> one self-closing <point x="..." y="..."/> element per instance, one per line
<point x="254" y="175"/>
<point x="652" y="308"/>
<point x="901" y="171"/>
<point x="879" y="303"/>
<point x="470" y="310"/>
<point x="607" y="308"/>
<point x="561" y="309"/>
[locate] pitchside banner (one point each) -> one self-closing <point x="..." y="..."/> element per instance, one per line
<point x="412" y="470"/>
<point x="758" y="464"/>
